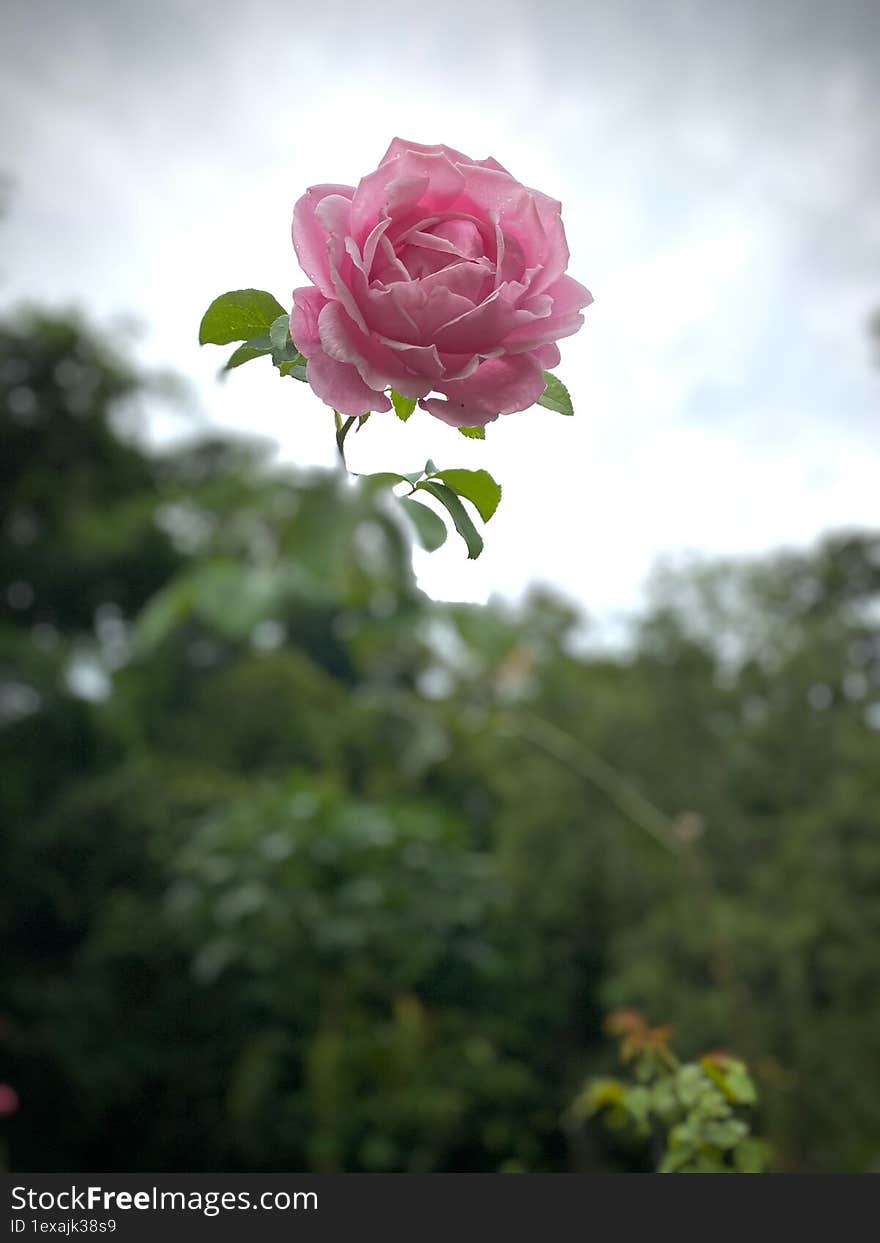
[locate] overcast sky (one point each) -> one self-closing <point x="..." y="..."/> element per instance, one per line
<point x="719" y="169"/>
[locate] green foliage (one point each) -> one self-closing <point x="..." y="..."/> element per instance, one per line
<point x="239" y="316"/>
<point x="235" y="316"/>
<point x="247" y="353"/>
<point x="403" y="406"/>
<point x="302" y="869"/>
<point x="556" y="396"/>
<point x="430" y="530"/>
<point x="457" y="512"/>
<point x="447" y="487"/>
<point x="697" y="1109"/>
<point x="285" y="355"/>
<point x="258" y="319"/>
<point x="477" y="486"/>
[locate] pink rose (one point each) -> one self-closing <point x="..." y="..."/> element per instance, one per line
<point x="437" y="274"/>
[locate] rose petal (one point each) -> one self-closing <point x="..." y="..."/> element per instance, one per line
<point x="309" y="239"/>
<point x="377" y="365"/>
<point x="548" y="356"/>
<point x="498" y="386"/>
<point x="459" y="366"/>
<point x="471" y="280"/>
<point x="382" y="194"/>
<point x="411" y="311"/>
<point x="569" y="297"/>
<point x="342" y="273"/>
<point x="308" y="303"/>
<point x="445" y="180"/>
<point x="554" y="257"/>
<point x="489" y="162"/>
<point x="488" y="190"/>
<point x="339" y="385"/>
<point x="400" y="146"/>
<point x="481" y="328"/>
<point x="393" y="312"/>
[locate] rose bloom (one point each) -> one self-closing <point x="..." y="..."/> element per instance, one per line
<point x="438" y="274"/>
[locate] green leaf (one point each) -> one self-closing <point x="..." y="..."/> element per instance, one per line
<point x="473" y="433"/>
<point x="296" y="368"/>
<point x="382" y="479"/>
<point x="751" y="1155"/>
<point x="279" y="332"/>
<point x="556" y="396"/>
<point x="477" y="486"/>
<point x="403" y="406"/>
<point x="430" y="527"/>
<point x="361" y="421"/>
<point x="285" y="355"/>
<point x="732" y="1077"/>
<point x="725" y="1134"/>
<point x="238" y="316"/>
<point x="691" y="1083"/>
<point x="458" y="513"/>
<point x="245" y="354"/>
<point x="283" y="349"/>
<point x="674" y="1160"/>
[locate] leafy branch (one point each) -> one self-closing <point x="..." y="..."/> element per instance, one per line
<point x="698" y="1111"/>
<point x="257" y="320"/>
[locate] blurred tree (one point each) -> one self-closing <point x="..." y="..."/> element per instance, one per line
<point x="304" y="870"/>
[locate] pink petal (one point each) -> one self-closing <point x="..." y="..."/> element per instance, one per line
<point x="377" y="365"/>
<point x="555" y="254"/>
<point x="339" y="385"/>
<point x="459" y="366"/>
<point x="411" y="311"/>
<point x="493" y="191"/>
<point x="371" y="243"/>
<point x="442" y="306"/>
<point x="548" y="356"/>
<point x="342" y="273"/>
<point x="569" y="297"/>
<point x="470" y="280"/>
<point x="381" y="194"/>
<point x="387" y="267"/>
<point x="336" y="383"/>
<point x="422" y="261"/>
<point x="393" y="312"/>
<point x="510" y="260"/>
<point x="445" y="180"/>
<point x="423" y="360"/>
<point x="310" y="239"/>
<point x="498" y="386"/>
<point x="455" y="415"/>
<point x="489" y="162"/>
<point x="400" y="146"/>
<point x="481" y="328"/>
<point x="542" y="332"/>
<point x="308" y="303"/>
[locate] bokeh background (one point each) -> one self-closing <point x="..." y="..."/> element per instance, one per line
<point x="319" y="852"/>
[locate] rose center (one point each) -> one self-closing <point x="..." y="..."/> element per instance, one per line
<point x="429" y="249"/>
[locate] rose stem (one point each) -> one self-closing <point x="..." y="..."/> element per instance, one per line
<point x="342" y="430"/>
